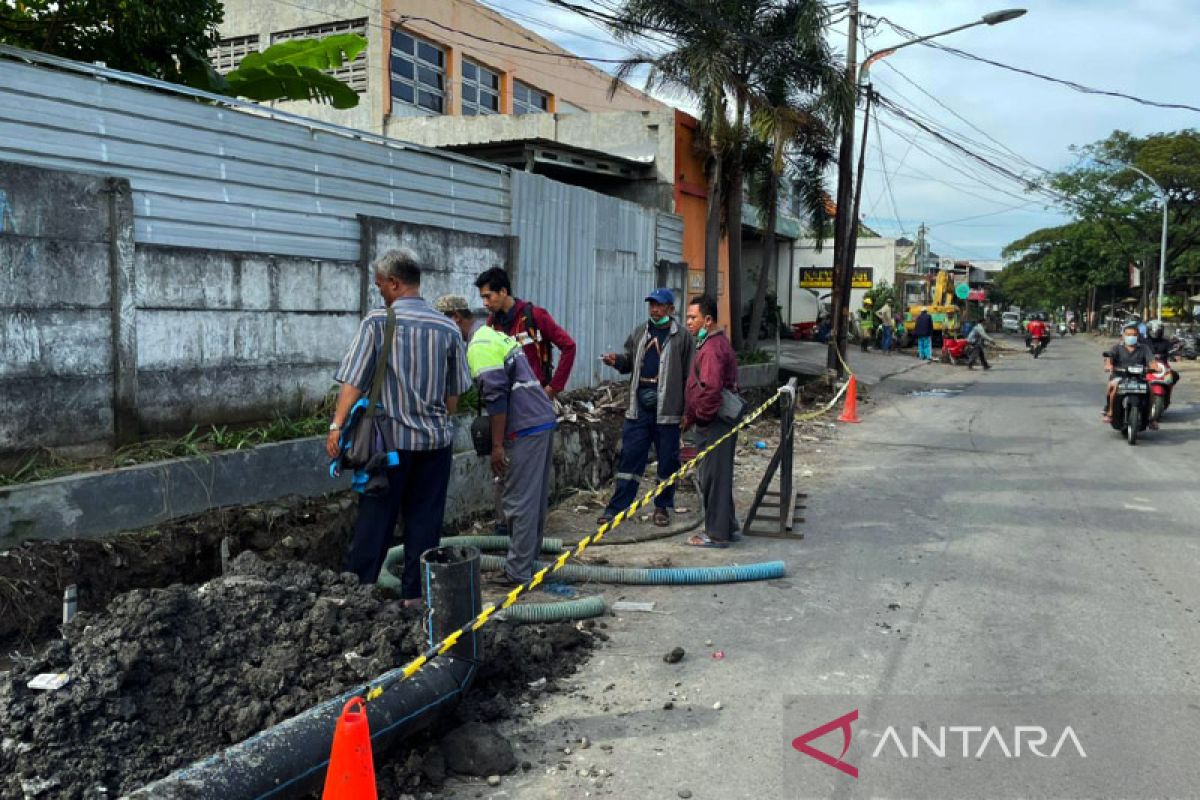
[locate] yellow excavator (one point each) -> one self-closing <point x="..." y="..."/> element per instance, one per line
<point x="934" y="293"/>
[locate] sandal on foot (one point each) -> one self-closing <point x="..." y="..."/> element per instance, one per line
<point x="701" y="540"/>
<point x="1106" y="418"/>
<point x="662" y="517"/>
<point x="604" y="519"/>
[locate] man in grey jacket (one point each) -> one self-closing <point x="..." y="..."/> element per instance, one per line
<point x="657" y="357"/>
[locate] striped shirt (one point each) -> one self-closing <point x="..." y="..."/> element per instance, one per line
<point x="428" y="363"/>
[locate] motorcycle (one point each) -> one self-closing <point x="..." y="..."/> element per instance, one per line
<point x="1162" y="380"/>
<point x="1131" y="409"/>
<point x="1038" y="346"/>
<point x="1062" y="329"/>
<point x="1074" y="328"/>
<point x="1189" y="342"/>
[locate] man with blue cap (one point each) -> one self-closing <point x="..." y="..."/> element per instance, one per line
<point x="657" y="357"/>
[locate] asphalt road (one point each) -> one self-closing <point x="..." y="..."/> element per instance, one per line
<point x="992" y="540"/>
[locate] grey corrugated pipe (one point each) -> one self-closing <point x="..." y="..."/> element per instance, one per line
<point x="289" y="760"/>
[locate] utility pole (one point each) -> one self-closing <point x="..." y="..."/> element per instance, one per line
<point x="844" y="222"/>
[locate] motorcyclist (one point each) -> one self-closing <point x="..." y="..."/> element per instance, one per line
<point x="1161" y="346"/>
<point x="1157" y="341"/>
<point x="1037" y="332"/>
<point x="1130" y="352"/>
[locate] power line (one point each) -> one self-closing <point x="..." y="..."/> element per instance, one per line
<point x="960" y="170"/>
<point x="887" y="182"/>
<point x="966" y="121"/>
<point x="997" y="168"/>
<point x="1078" y="87"/>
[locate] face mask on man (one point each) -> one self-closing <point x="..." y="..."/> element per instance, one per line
<point x="662" y="321"/>
<point x="700" y="337"/>
<point x="1131" y="340"/>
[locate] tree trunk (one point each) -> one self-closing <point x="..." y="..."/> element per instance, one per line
<point x="712" y="229"/>
<point x="733" y="220"/>
<point x="770" y="264"/>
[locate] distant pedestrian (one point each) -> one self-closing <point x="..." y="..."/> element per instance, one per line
<point x="657" y="357"/>
<point x="866" y="323"/>
<point x="522" y="427"/>
<point x="976" y="340"/>
<point x="923" y="330"/>
<point x="887" y="325"/>
<point x="533" y="328"/>
<point x="713" y="369"/>
<point x="425" y="374"/>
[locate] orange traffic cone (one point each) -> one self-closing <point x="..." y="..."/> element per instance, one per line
<point x="850" y="410"/>
<point x="351" y="773"/>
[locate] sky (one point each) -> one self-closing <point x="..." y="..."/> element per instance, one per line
<point x="1145" y="48"/>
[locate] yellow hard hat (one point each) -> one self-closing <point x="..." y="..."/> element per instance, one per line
<point x="868" y="301"/>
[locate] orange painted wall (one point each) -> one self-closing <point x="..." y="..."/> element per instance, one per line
<point x="691" y="203"/>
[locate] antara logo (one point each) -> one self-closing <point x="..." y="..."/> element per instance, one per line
<point x="841" y="723"/>
<point x="1022" y="740"/>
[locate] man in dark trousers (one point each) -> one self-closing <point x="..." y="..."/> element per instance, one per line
<point x="425" y="374"/>
<point x="657" y="357"/>
<point x="923" y="330"/>
<point x="714" y="369"/>
<point x="533" y="328"/>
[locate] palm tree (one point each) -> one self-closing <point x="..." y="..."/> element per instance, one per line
<point x="729" y="54"/>
<point x="793" y="143"/>
<point x="697" y="64"/>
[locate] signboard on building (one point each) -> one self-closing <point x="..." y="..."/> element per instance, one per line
<point x="977" y="295"/>
<point x="822" y="278"/>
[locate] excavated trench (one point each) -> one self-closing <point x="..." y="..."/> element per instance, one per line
<point x="178" y="652"/>
<point x="162" y="677"/>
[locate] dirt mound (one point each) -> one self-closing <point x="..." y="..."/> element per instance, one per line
<point x="166" y="676"/>
<point x="33" y="575"/>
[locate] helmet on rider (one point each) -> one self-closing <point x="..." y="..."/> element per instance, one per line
<point x="868" y="301"/>
<point x="1155" y="329"/>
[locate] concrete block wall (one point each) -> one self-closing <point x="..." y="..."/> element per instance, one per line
<point x="229" y="337"/>
<point x="56" y="321"/>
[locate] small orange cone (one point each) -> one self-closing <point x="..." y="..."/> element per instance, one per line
<point x="351" y="773"/>
<point x="850" y="410"/>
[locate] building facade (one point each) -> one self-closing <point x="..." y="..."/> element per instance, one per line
<point x="454" y="74"/>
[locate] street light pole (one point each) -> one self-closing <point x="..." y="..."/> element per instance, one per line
<point x="1162" y="252"/>
<point x="845" y="237"/>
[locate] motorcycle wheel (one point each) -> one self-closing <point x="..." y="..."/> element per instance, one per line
<point x="1157" y="408"/>
<point x="1131" y="424"/>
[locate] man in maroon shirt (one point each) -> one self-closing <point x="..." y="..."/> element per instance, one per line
<point x="530" y="325"/>
<point x="714" y="368"/>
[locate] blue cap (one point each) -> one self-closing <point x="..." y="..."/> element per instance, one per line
<point x="663" y="296"/>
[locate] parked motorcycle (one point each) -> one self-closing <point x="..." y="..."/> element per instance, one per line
<point x="1189" y="342"/>
<point x="1131" y="410"/>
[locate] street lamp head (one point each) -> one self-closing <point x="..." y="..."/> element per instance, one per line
<point x="996" y="17"/>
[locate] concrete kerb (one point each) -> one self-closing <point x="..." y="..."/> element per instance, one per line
<point x="97" y="504"/>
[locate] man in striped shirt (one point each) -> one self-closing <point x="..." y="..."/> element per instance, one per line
<point x="426" y="373"/>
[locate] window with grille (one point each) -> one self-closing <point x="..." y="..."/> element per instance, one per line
<point x="480" y="89"/>
<point x="528" y="100"/>
<point x="229" y="52"/>
<point x="418" y="72"/>
<point x="354" y="72"/>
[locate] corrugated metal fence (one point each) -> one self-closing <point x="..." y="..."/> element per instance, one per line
<point x="212" y="176"/>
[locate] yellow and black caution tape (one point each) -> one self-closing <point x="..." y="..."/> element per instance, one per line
<point x="490" y="610"/>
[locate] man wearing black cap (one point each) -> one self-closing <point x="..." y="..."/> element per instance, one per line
<point x="657" y="357"/>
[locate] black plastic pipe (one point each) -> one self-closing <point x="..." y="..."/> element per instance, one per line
<point x="289" y="759"/>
